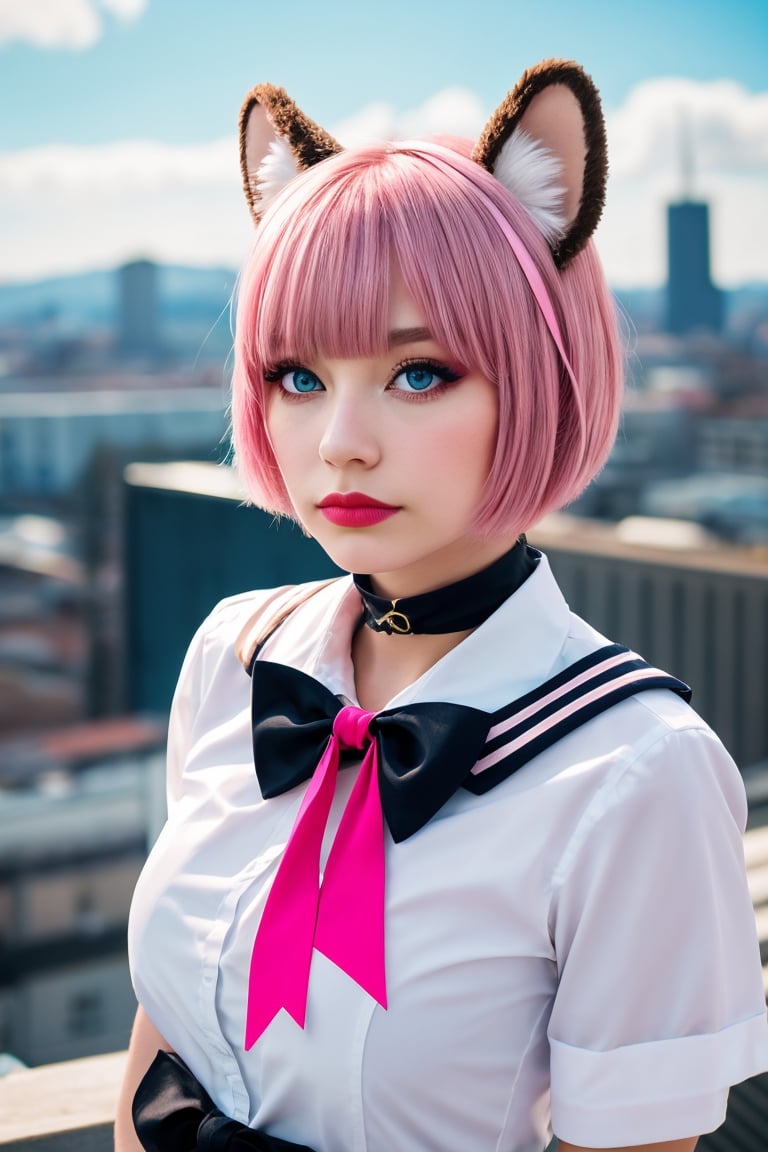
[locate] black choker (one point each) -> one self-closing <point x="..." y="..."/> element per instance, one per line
<point x="454" y="608"/>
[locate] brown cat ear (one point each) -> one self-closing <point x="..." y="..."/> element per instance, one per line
<point x="546" y="144"/>
<point x="277" y="141"/>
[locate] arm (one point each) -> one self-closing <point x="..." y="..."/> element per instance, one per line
<point x="687" y="1145"/>
<point x="144" y="1045"/>
<point x="660" y="1005"/>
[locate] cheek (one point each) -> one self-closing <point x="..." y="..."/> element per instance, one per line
<point x="285" y="438"/>
<point x="465" y="446"/>
<point x="272" y="424"/>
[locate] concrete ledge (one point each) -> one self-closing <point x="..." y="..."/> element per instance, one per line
<point x="67" y="1107"/>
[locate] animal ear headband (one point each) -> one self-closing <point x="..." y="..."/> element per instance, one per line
<point x="545" y="143"/>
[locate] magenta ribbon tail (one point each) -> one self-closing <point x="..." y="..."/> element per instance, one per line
<point x="350" y="918"/>
<point x="282" y="950"/>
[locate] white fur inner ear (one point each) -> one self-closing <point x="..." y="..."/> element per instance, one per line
<point x="276" y="170"/>
<point x="532" y="173"/>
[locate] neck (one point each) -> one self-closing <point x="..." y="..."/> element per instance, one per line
<point x="385" y="664"/>
<point x="437" y="571"/>
<point x="398" y="642"/>
<point x="459" y="605"/>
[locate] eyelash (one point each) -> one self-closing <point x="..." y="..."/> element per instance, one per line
<point x="275" y="374"/>
<point x="446" y="376"/>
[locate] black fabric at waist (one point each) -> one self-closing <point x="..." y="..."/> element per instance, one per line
<point x="172" y="1112"/>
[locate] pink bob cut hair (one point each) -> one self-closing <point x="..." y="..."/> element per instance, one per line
<point x="318" y="281"/>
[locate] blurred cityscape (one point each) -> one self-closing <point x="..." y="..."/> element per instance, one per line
<point x="121" y="525"/>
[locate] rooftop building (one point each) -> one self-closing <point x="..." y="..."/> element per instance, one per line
<point x="79" y="809"/>
<point x="694" y="303"/>
<point x="139" y="316"/>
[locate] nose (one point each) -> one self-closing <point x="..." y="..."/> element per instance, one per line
<point x="350" y="434"/>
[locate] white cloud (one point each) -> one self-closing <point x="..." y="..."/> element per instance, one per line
<point x="723" y="131"/>
<point x="123" y="165"/>
<point x="723" y="127"/>
<point x="373" y="122"/>
<point x="452" y="111"/>
<point x="73" y="24"/>
<point x="65" y="208"/>
<point x="125" y="9"/>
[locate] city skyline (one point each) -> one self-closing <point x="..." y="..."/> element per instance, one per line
<point x="122" y="142"/>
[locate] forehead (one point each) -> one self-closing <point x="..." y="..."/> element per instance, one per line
<point x="406" y="320"/>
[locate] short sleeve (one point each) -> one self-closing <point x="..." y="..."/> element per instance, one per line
<point x="660" y="1004"/>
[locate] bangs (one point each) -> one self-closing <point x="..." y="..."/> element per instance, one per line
<point x="325" y="282"/>
<point x="319" y="280"/>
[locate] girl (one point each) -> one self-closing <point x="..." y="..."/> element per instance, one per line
<point x="443" y="868"/>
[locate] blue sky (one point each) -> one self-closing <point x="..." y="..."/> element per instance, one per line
<point x="103" y="73"/>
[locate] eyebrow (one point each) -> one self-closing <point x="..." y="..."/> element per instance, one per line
<point x="408" y="336"/>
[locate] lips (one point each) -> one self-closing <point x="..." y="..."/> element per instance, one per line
<point x="355" y="509"/>
<point x="353" y="500"/>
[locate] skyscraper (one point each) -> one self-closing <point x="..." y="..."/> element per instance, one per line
<point x="694" y="303"/>
<point x="138" y="308"/>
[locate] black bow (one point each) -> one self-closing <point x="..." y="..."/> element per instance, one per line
<point x="172" y="1112"/>
<point x="425" y="751"/>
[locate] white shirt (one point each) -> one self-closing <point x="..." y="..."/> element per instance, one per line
<point x="579" y="939"/>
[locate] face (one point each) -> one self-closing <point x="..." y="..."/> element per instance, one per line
<point x="385" y="458"/>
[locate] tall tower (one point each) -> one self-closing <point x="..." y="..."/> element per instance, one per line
<point x="138" y="309"/>
<point x="694" y="303"/>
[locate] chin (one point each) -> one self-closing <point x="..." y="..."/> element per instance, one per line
<point x="357" y="555"/>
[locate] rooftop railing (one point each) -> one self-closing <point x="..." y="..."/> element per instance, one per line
<point x="68" y="1107"/>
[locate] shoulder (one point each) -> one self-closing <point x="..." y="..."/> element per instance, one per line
<point x="652" y="749"/>
<point x="654" y="712"/>
<point x="213" y="666"/>
<point x="220" y="629"/>
<point x="654" y="775"/>
<point x="237" y="623"/>
<point x="230" y="614"/>
<point x="215" y="646"/>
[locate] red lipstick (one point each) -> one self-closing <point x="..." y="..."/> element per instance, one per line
<point x="355" y="509"/>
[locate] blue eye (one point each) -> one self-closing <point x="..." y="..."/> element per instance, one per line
<point x="301" y="380"/>
<point x="419" y="378"/>
<point x="422" y="376"/>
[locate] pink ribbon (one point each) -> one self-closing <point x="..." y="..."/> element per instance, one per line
<point x="344" y="917"/>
